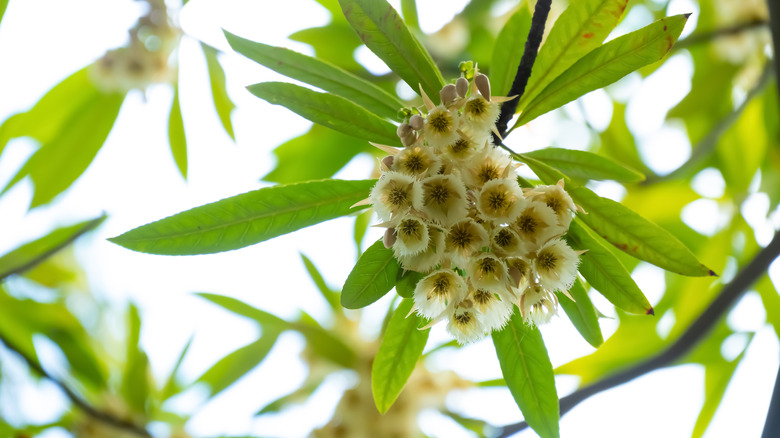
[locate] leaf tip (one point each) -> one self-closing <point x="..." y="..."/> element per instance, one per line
<point x="650" y="311"/>
<point x="713" y="273"/>
<point x="688" y="15"/>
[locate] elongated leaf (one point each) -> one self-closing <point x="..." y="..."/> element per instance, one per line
<point x="586" y="165"/>
<point x="606" y="65"/>
<point x="372" y="277"/>
<point x="176" y="136"/>
<point x="605" y="272"/>
<point x="320" y="340"/>
<point x="582" y="27"/>
<point x="582" y="313"/>
<point x="624" y="228"/>
<point x="509" y="50"/>
<point x="222" y="102"/>
<point x="528" y="374"/>
<point x="32" y="253"/>
<point x="382" y="30"/>
<point x="407" y="283"/>
<point x="60" y="161"/>
<point x="328" y="110"/>
<point x="335" y="42"/>
<point x="300" y="395"/>
<point x="246" y="219"/>
<point x="3" y="6"/>
<point x="717" y="376"/>
<point x="321" y="74"/>
<point x="318" y="154"/>
<point x="401" y="348"/>
<point x="409" y="11"/>
<point x="236" y="364"/>
<point x="135" y="383"/>
<point x="329" y="294"/>
<point x="172" y="386"/>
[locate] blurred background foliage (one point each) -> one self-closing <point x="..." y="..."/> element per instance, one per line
<point x="721" y="200"/>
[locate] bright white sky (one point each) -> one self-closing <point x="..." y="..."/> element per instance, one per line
<point x="134" y="180"/>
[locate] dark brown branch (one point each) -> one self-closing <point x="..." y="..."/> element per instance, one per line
<point x="704" y="37"/>
<point x="535" y="35"/>
<point x="79" y="402"/>
<point x="689" y="339"/>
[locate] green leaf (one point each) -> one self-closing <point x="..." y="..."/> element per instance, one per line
<point x="328" y="110"/>
<point x="402" y="345"/>
<point x="300" y="395"/>
<point x="246" y="219"/>
<point x="329" y="294"/>
<point x="382" y="30"/>
<point x="582" y="313"/>
<point x="3" y="6"/>
<point x="624" y="228"/>
<point x="605" y="273"/>
<point x="409" y="11"/>
<point x="529" y="374"/>
<point x="362" y="222"/>
<point x="135" y="383"/>
<point x="586" y="165"/>
<point x="32" y="253"/>
<point x="320" y="340"/>
<point x="606" y="65"/>
<point x="372" y="277"/>
<point x="582" y="27"/>
<point x="172" y="387"/>
<point x="335" y="42"/>
<point x="509" y="50"/>
<point x="716" y="379"/>
<point x="61" y="160"/>
<point x="321" y="74"/>
<point x="407" y="283"/>
<point x="317" y="154"/>
<point x="222" y="102"/>
<point x="176" y="135"/>
<point x="236" y="364"/>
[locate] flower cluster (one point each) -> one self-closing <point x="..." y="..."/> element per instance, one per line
<point x="454" y="210"/>
<point x="145" y="59"/>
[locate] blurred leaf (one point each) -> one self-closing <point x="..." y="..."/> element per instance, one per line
<point x="625" y="229"/>
<point x="582" y="313"/>
<point x="771" y="300"/>
<point x="236" y="364"/>
<point x="362" y="222"/>
<point x="382" y="30"/>
<point x="582" y="27"/>
<point x="300" y="395"/>
<point x="222" y="102"/>
<point x="328" y="110"/>
<point x="716" y="379"/>
<point x="409" y="11"/>
<point x="335" y="43"/>
<point x="372" y="277"/>
<point x="246" y="219"/>
<point x="329" y="294"/>
<point x="172" y="387"/>
<point x="509" y="50"/>
<point x="477" y="426"/>
<point x="585" y="165"/>
<point x="321" y="74"/>
<point x="320" y="340"/>
<point x="617" y="141"/>
<point x="176" y="135"/>
<point x="402" y="345"/>
<point x="606" y="65"/>
<point x="605" y="272"/>
<point x="529" y="374"/>
<point x="63" y="158"/>
<point x="407" y="283"/>
<point x="32" y="253"/>
<point x="317" y="154"/>
<point x="661" y="202"/>
<point x="135" y="383"/>
<point x="3" y="6"/>
<point x="742" y="149"/>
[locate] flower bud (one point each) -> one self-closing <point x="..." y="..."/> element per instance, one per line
<point x="448" y="94"/>
<point x="483" y="85"/>
<point x="388" y="161"/>
<point x="390" y="237"/>
<point x="416" y="122"/>
<point x="409" y="139"/>
<point x="403" y="130"/>
<point x="462" y="86"/>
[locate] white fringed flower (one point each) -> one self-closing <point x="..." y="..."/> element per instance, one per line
<point x="556" y="265"/>
<point x="438" y="290"/>
<point x="444" y="199"/>
<point x="538" y="305"/>
<point x="505" y="241"/>
<point x="486" y="271"/>
<point x="555" y="197"/>
<point x="411" y="236"/>
<point x="536" y="224"/>
<point x="440" y="127"/>
<point x="415" y="161"/>
<point x="427" y="259"/>
<point x="395" y="193"/>
<point x="461" y="150"/>
<point x="519" y="271"/>
<point x="491" y="164"/>
<point x="480" y="113"/>
<point x="493" y="309"/>
<point x="500" y="200"/>
<point x="464" y="325"/>
<point x="463" y="239"/>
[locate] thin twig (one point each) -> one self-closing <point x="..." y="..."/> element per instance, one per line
<point x="689" y="339"/>
<point x="79" y="402"/>
<point x="535" y="35"/>
<point x="704" y="37"/>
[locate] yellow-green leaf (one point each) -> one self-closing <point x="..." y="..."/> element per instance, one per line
<point x="585" y="165"/>
<point x="508" y="50"/>
<point x="222" y="102"/>
<point x="176" y="135"/>
<point x="582" y="313"/>
<point x="372" y="277"/>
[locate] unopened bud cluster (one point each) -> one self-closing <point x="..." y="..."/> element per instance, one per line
<point x="454" y="210"/>
<point x="145" y="59"/>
